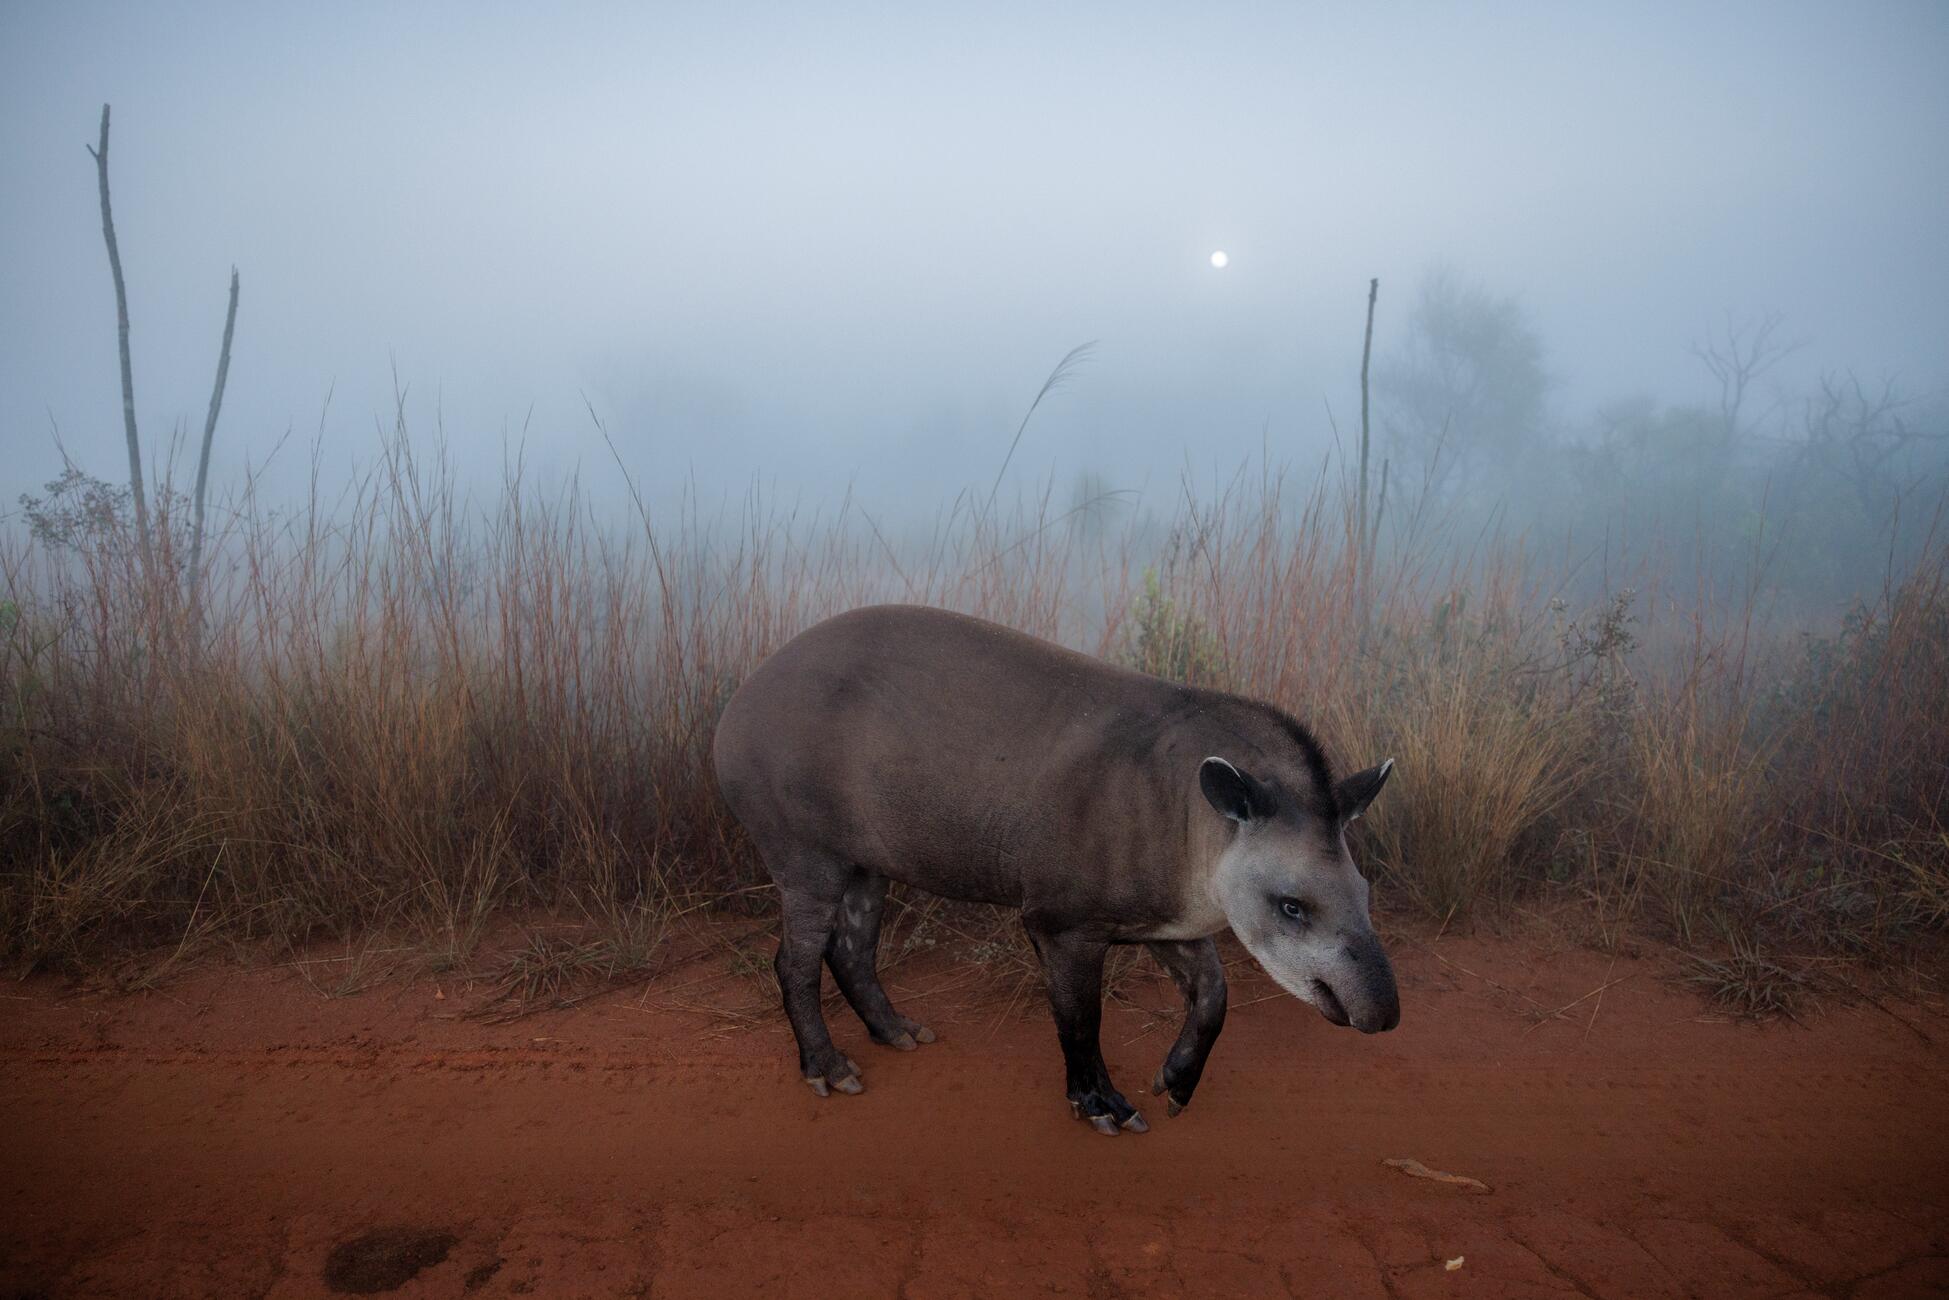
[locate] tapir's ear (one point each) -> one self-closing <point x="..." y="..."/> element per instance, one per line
<point x="1229" y="790"/>
<point x="1355" y="792"/>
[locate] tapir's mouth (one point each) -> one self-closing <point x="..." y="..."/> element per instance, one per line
<point x="1329" y="1004"/>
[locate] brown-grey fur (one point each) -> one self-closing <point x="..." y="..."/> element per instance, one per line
<point x="963" y="758"/>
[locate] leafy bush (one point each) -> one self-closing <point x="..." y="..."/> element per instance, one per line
<point x="1165" y="641"/>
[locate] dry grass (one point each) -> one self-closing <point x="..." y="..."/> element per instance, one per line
<point x="1488" y="763"/>
<point x="1747" y="984"/>
<point x="545" y="971"/>
<point x="405" y="714"/>
<point x="1688" y="816"/>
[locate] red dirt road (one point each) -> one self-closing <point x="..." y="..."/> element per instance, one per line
<point x="224" y="1137"/>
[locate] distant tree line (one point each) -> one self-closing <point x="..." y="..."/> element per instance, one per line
<point x="1817" y="491"/>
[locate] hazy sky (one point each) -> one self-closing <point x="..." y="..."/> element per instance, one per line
<point x="813" y="245"/>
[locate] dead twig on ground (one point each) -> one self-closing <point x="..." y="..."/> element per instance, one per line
<point x="1545" y="1017"/>
<point x="1415" y="1169"/>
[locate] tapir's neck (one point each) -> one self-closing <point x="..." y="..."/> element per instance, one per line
<point x="1206" y="837"/>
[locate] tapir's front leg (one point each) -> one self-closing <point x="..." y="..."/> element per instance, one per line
<point x="1200" y="976"/>
<point x="1073" y="967"/>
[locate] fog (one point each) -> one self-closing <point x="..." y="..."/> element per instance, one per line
<point x="815" y="248"/>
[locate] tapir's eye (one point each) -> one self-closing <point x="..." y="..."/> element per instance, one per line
<point x="1293" y="908"/>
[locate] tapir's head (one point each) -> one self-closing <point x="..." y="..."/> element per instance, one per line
<point x="1292" y="894"/>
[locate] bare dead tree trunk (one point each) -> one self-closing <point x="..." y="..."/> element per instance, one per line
<point x="136" y="489"/>
<point x="203" y="460"/>
<point x="1363" y="550"/>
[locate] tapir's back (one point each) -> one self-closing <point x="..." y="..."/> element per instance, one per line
<point x="952" y="753"/>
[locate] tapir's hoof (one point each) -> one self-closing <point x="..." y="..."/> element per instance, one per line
<point x="851" y="1085"/>
<point x="1107" y="1124"/>
<point x="1171" y="1105"/>
<point x="847" y="1080"/>
<point x="906" y="1040"/>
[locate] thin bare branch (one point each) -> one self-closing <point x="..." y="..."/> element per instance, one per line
<point x="203" y="460"/>
<point x="136" y="490"/>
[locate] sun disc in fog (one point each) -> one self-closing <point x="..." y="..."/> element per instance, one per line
<point x="1219" y="261"/>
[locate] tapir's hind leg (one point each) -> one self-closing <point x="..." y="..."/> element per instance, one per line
<point x="853" y="954"/>
<point x="809" y="904"/>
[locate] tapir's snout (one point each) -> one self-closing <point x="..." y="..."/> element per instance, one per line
<point x="1375" y="1004"/>
<point x="1385" y="1015"/>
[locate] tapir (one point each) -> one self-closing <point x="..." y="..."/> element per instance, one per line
<point x="899" y="742"/>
